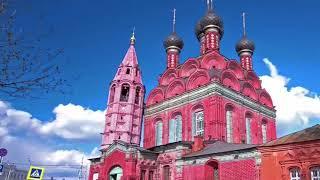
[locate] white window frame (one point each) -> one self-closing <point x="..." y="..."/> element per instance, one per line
<point x="229" y="121"/>
<point x="216" y="173"/>
<point x="264" y="128"/>
<point x="158" y="133"/>
<point x="175" y="129"/>
<point x="316" y="175"/>
<point x="95" y="176"/>
<point x="295" y="174"/>
<point x="199" y="122"/>
<point x="118" y="171"/>
<point x="248" y="130"/>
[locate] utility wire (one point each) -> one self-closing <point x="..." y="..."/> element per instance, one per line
<point x="45" y="165"/>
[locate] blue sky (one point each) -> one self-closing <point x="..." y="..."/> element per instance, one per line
<point x="95" y="37"/>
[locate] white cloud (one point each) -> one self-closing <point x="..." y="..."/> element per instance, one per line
<point x="27" y="137"/>
<point x="75" y="122"/>
<point x="295" y="106"/>
<point x="58" y="162"/>
<point x="71" y="122"/>
<point x="64" y="157"/>
<point x="3" y="132"/>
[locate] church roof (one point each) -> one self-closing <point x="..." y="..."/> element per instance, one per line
<point x="218" y="147"/>
<point x="309" y="134"/>
<point x="130" y="58"/>
<point x="130" y="61"/>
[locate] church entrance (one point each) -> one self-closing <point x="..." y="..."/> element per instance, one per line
<point x="116" y="173"/>
<point x="212" y="170"/>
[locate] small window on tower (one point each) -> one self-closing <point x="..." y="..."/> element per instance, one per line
<point x="113" y="89"/>
<point x="137" y="99"/>
<point x="150" y="175"/>
<point x="128" y="71"/>
<point x="143" y="175"/>
<point x="124" y="97"/>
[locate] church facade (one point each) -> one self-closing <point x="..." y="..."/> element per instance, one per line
<point x="204" y="120"/>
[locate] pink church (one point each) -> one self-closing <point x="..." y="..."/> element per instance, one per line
<point x="204" y="119"/>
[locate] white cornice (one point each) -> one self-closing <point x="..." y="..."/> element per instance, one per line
<point x="207" y="91"/>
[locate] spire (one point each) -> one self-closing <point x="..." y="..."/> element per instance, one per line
<point x="244" y="23"/>
<point x="126" y="89"/>
<point x="133" y="38"/>
<point x="130" y="59"/>
<point x="245" y="48"/>
<point x="245" y="45"/>
<point x="210" y="5"/>
<point x="209" y="30"/>
<point x="173" y="40"/>
<point x="174" y="21"/>
<point x="173" y="45"/>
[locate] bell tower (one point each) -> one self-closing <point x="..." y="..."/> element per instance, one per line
<point x="125" y="103"/>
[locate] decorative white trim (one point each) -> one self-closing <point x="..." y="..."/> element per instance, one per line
<point x="207" y="91"/>
<point x="225" y="158"/>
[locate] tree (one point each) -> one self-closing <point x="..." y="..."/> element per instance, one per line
<point x="27" y="70"/>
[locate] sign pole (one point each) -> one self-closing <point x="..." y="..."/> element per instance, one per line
<point x="3" y="153"/>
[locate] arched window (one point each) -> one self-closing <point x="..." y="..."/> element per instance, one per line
<point x="175" y="129"/>
<point x="116" y="173"/>
<point x="198" y="123"/>
<point x="159" y="133"/>
<point x="229" y="121"/>
<point x="248" y="128"/>
<point x="113" y="89"/>
<point x="95" y="176"/>
<point x="264" y="131"/>
<point x="212" y="170"/>
<point x="124" y="96"/>
<point x="315" y="173"/>
<point x="295" y="174"/>
<point x="150" y="175"/>
<point x="128" y="71"/>
<point x="137" y="98"/>
<point x="143" y="175"/>
<point x="166" y="173"/>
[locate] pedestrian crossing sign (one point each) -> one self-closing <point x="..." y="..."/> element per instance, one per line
<point x="35" y="173"/>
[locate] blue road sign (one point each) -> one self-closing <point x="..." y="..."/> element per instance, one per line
<point x="35" y="173"/>
<point x="3" y="152"/>
<point x="1" y="169"/>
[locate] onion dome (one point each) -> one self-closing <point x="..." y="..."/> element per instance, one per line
<point x="173" y="40"/>
<point x="199" y="31"/>
<point x="245" y="45"/>
<point x="212" y="20"/>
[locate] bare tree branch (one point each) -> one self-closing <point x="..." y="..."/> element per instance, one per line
<point x="26" y="69"/>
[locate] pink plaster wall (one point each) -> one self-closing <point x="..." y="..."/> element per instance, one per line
<point x="193" y="74"/>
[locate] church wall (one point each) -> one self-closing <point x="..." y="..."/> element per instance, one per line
<point x="194" y="172"/>
<point x="278" y="160"/>
<point x="231" y="170"/>
<point x="115" y="159"/>
<point x="234" y="170"/>
<point x="215" y="121"/>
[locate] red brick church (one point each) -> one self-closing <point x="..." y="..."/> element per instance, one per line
<point x="205" y="119"/>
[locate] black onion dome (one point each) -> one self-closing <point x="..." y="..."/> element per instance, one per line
<point x="245" y="44"/>
<point x="198" y="30"/>
<point x="173" y="40"/>
<point x="212" y="19"/>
